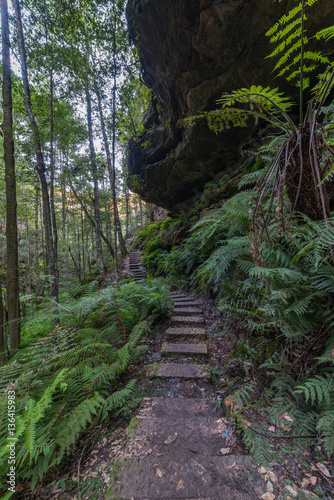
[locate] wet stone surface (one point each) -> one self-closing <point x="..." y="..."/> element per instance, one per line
<point x="170" y="348"/>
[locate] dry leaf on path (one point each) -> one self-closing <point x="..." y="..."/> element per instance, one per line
<point x="323" y="469"/>
<point x="171" y="439"/>
<point x="268" y="496"/>
<point x="224" y="451"/>
<point x="309" y="480"/>
<point x="159" y="473"/>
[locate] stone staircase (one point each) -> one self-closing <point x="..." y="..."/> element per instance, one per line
<point x="135" y="267"/>
<point x="175" y="444"/>
<point x="187" y="340"/>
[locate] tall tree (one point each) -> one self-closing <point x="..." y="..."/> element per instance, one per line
<point x="40" y="164"/>
<point x="3" y="334"/>
<point x="13" y="301"/>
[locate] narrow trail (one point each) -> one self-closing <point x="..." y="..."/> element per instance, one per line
<point x="178" y="446"/>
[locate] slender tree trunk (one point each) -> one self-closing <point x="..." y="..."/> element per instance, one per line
<point x="3" y="334"/>
<point x="13" y="299"/>
<point x="127" y="212"/>
<point x="40" y="165"/>
<point x="141" y="213"/>
<point x="37" y="249"/>
<point x="96" y="201"/>
<point x="83" y="244"/>
<point x="111" y="170"/>
<point x="63" y="210"/>
<point x="29" y="269"/>
<point x="52" y="194"/>
<point x="91" y="220"/>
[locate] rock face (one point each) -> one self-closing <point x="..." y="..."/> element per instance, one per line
<point x="191" y="52"/>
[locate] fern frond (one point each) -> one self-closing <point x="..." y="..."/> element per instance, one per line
<point x="317" y="388"/>
<point x="326" y="33"/>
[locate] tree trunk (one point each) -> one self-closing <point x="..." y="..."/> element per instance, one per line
<point x="127" y="219"/>
<point x="96" y="200"/>
<point x="29" y="270"/>
<point x="3" y="334"/>
<point x="77" y="197"/>
<point x="141" y="213"/>
<point x="37" y="249"/>
<point x="40" y="165"/>
<point x="52" y="175"/>
<point x="13" y="300"/>
<point x="111" y="169"/>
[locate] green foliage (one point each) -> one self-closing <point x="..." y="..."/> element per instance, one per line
<point x="237" y="107"/>
<point x="290" y="38"/>
<point x="70" y="378"/>
<point x="277" y="290"/>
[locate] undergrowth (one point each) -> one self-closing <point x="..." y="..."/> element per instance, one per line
<point x="276" y="290"/>
<point x="70" y="378"/>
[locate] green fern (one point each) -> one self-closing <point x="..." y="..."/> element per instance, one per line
<point x="317" y="389"/>
<point x="69" y="378"/>
<point x="290" y="36"/>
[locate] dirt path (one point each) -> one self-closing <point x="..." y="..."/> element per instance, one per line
<point x="178" y="447"/>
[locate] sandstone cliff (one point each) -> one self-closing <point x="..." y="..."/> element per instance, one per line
<point x="191" y="52"/>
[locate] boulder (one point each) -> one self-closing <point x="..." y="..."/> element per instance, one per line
<point x="191" y="51"/>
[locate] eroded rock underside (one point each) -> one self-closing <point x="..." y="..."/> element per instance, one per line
<point x="191" y="52"/>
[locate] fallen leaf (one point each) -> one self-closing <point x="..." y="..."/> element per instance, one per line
<point x="323" y="469"/>
<point x="291" y="490"/>
<point x="287" y="417"/>
<point x="272" y="428"/>
<point x="231" y="404"/>
<point x="269" y="487"/>
<point x="268" y="496"/>
<point x="159" y="473"/>
<point x="309" y="480"/>
<point x="262" y="470"/>
<point x="171" y="439"/>
<point x="224" y="451"/>
<point x="180" y="485"/>
<point x="273" y="476"/>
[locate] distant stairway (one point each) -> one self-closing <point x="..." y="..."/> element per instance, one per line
<point x="135" y="267"/>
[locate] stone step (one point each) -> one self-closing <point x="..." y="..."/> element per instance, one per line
<point x="169" y="348"/>
<point x="202" y="435"/>
<point x="187" y="311"/>
<point x="186" y="331"/>
<point x="176" y="407"/>
<point x="179" y="295"/>
<point x="185" y="371"/>
<point x="187" y="319"/>
<point x="185" y="303"/>
<point x="197" y="477"/>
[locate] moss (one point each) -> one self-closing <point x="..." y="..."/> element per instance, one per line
<point x="132" y="426"/>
